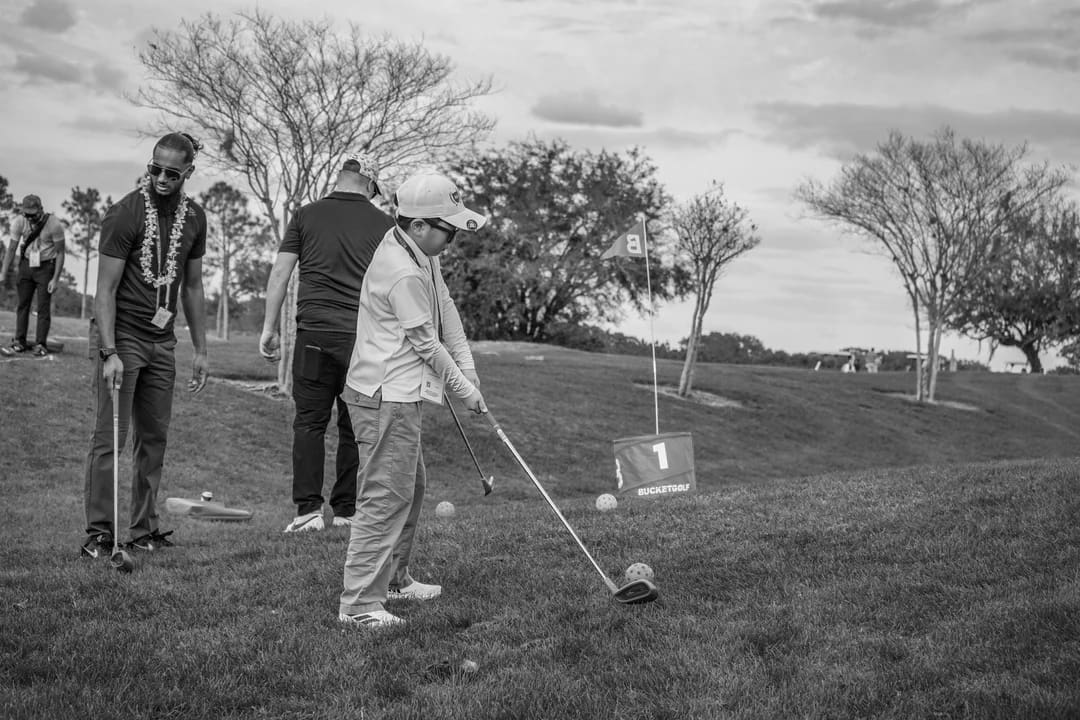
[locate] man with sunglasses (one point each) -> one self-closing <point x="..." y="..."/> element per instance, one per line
<point x="150" y="256"/>
<point x="38" y="245"/>
<point x="410" y="345"/>
<point x="332" y="239"/>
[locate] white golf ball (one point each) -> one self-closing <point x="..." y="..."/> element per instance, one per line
<point x="639" y="571"/>
<point x="606" y="502"/>
<point x="444" y="509"/>
<point x="469" y="666"/>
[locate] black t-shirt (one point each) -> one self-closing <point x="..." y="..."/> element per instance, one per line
<point x="334" y="238"/>
<point x="122" y="233"/>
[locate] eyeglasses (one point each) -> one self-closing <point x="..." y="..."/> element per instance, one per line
<point x="450" y="230"/>
<point x="153" y="170"/>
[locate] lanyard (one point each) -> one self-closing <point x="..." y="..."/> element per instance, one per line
<point x="434" y="286"/>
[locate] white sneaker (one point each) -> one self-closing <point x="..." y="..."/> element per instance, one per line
<point x="415" y="591"/>
<point x="373" y="619"/>
<point x="340" y="521"/>
<point x="306" y="523"/>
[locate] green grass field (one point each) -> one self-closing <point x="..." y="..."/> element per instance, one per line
<point x="849" y="555"/>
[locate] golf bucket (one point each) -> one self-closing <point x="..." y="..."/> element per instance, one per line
<point x="651" y="466"/>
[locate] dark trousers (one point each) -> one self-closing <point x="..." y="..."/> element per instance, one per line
<point x="29" y="280"/>
<point x="145" y="405"/>
<point x="320" y="364"/>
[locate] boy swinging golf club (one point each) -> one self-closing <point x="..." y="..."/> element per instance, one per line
<point x="410" y="346"/>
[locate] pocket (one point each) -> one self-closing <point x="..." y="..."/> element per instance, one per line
<point x="311" y="361"/>
<point x="364" y="417"/>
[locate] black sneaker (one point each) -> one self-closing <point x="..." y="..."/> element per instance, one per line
<point x="15" y="348"/>
<point x="150" y="543"/>
<point x="97" y="546"/>
<point x="40" y="351"/>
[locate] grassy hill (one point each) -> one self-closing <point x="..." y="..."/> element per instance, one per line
<point x="851" y="554"/>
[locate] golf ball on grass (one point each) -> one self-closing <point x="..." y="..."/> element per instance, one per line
<point x="444" y="509"/>
<point x="639" y="571"/>
<point x="606" y="502"/>
<point x="469" y="666"/>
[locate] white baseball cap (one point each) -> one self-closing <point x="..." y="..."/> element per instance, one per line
<point x="364" y="164"/>
<point x="430" y="195"/>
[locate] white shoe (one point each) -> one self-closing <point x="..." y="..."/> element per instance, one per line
<point x="373" y="619"/>
<point x="415" y="591"/>
<point x="340" y="521"/>
<point x="306" y="523"/>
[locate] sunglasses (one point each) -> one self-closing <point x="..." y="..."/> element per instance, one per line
<point x="153" y="170"/>
<point x="450" y="230"/>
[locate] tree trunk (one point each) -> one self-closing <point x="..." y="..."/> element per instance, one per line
<point x="1031" y="352"/>
<point x="85" y="280"/>
<point x="932" y="355"/>
<point x="686" y="379"/>
<point x="225" y="270"/>
<point x="918" y="350"/>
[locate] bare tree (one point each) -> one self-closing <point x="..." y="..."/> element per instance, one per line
<point x="712" y="232"/>
<point x="935" y="208"/>
<point x="283" y="101"/>
<point x="233" y="237"/>
<point x="86" y="211"/>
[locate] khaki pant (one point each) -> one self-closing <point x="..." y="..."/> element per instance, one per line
<point x="392" y="481"/>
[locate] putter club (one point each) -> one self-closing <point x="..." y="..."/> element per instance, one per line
<point x="636" y="591"/>
<point x="488" y="481"/>
<point x="119" y="559"/>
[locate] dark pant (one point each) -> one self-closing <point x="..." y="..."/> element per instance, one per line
<point x="320" y="364"/>
<point x="145" y="404"/>
<point x="31" y="279"/>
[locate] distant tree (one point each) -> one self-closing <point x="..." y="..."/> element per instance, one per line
<point x="1029" y="295"/>
<point x="283" y="101"/>
<point x="935" y="207"/>
<point x="716" y="347"/>
<point x="85" y="211"/>
<point x="553" y="212"/>
<point x="234" y="234"/>
<point x="712" y="231"/>
<point x="1071" y="354"/>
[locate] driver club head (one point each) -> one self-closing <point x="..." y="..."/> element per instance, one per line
<point x="636" y="591"/>
<point x="122" y="562"/>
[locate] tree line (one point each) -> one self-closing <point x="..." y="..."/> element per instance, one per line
<point x="984" y="242"/>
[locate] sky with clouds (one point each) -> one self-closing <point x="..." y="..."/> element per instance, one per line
<point x="760" y="95"/>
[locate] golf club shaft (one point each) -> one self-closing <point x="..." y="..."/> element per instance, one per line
<point x="502" y="436"/>
<point x="115" y="464"/>
<point x="468" y="445"/>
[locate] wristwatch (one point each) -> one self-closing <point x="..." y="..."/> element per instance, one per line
<point x="106" y="353"/>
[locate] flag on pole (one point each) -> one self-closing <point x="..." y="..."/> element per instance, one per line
<point x="630" y="244"/>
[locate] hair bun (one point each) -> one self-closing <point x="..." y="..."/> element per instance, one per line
<point x="195" y="144"/>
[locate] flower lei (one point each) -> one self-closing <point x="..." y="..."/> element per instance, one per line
<point x="151" y="235"/>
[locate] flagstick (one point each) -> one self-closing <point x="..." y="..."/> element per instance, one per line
<point x="652" y="333"/>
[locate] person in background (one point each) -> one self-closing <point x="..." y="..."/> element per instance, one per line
<point x="333" y="240"/>
<point x="38" y="249"/>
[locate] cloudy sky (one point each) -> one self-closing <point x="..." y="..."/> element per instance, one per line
<point x="759" y="95"/>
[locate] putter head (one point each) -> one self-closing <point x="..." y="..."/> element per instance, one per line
<point x="636" y="591"/>
<point x="489" y="484"/>
<point x="121" y="561"/>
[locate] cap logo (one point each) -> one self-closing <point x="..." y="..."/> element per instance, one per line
<point x="471" y="224"/>
<point x="455" y="197"/>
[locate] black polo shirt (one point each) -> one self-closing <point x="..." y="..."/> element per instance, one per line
<point x="334" y="238"/>
<point x="122" y="233"/>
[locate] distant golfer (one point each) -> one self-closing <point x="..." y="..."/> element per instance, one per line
<point x="152" y="244"/>
<point x="410" y="345"/>
<point x="333" y="239"/>
<point x="37" y="249"/>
